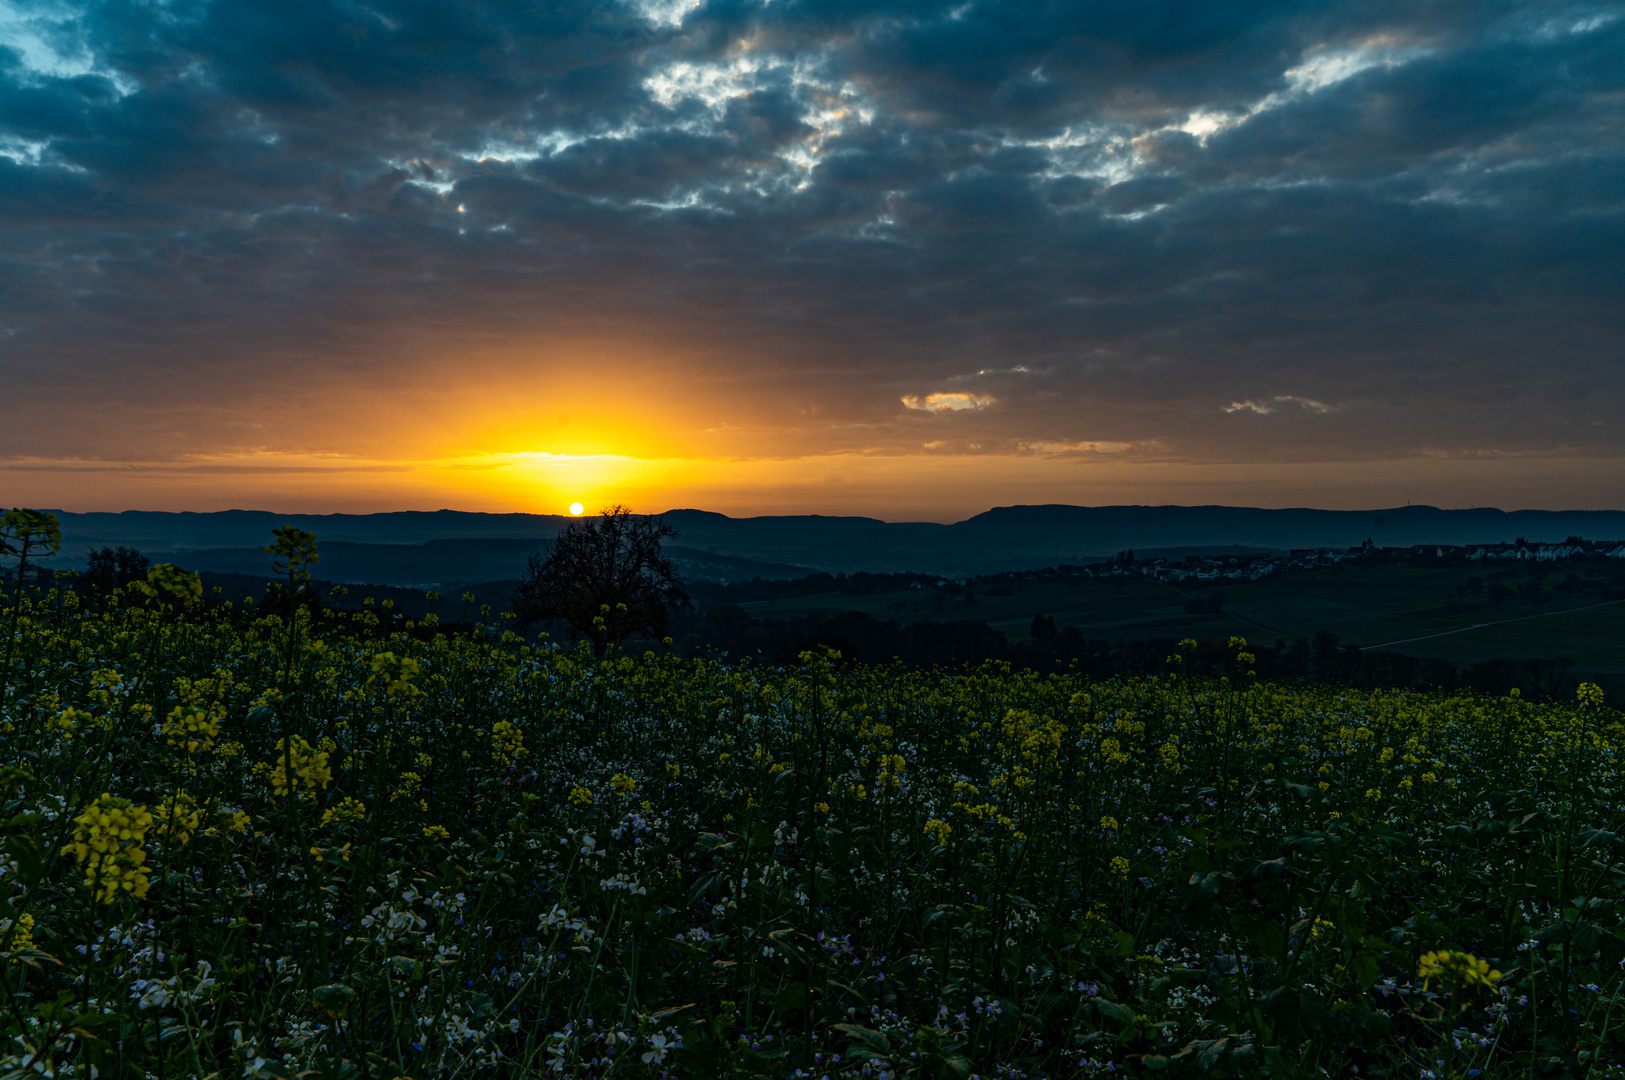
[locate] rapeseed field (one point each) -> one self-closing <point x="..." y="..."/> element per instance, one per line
<point x="247" y="844"/>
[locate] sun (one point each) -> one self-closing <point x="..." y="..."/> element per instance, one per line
<point x="576" y="509"/>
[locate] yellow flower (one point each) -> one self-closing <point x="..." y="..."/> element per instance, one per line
<point x="175" y="820"/>
<point x="395" y="674"/>
<point x="507" y="743"/>
<point x="309" y="767"/>
<point x="17" y="934"/>
<point x="580" y="796"/>
<point x="191" y="731"/>
<point x="347" y="812"/>
<point x="408" y="787"/>
<point x="623" y="783"/>
<point x="938" y="831"/>
<point x="436" y="832"/>
<point x="1120" y="866"/>
<point x="69" y="721"/>
<point x="1460" y="968"/>
<point x="107" y="839"/>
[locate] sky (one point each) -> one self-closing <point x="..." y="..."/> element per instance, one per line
<point x="905" y="259"/>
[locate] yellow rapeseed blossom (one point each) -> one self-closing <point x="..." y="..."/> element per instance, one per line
<point x="623" y="783"/>
<point x="175" y="820"/>
<point x="436" y="832"/>
<point x="507" y="743"/>
<point x="395" y="674"/>
<point x="407" y="787"/>
<point x="70" y="721"/>
<point x="107" y="840"/>
<point x="938" y="831"/>
<point x="17" y="934"/>
<point x="1459" y="968"/>
<point x="1120" y="866"/>
<point x="190" y="730"/>
<point x="891" y="768"/>
<point x="309" y="766"/>
<point x="348" y="812"/>
<point x="580" y="796"/>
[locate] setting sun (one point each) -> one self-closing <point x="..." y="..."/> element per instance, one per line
<point x="576" y="508"/>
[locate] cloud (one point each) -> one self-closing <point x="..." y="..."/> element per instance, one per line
<point x="950" y="402"/>
<point x="1265" y="408"/>
<point x="330" y="220"/>
<point x="1070" y="448"/>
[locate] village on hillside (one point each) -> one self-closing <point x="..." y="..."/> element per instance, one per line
<point x="1254" y="567"/>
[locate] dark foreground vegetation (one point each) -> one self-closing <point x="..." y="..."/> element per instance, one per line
<point x="297" y="841"/>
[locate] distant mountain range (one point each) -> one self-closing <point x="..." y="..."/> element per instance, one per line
<point x="448" y="546"/>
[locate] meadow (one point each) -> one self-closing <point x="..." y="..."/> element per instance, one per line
<point x="277" y="840"/>
<point x="1365" y="604"/>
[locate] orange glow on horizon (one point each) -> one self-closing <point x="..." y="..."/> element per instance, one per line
<point x="924" y="487"/>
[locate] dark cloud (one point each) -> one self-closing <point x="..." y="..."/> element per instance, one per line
<point x="1272" y="231"/>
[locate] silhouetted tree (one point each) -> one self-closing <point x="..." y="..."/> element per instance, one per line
<point x="606" y="577"/>
<point x="114" y="568"/>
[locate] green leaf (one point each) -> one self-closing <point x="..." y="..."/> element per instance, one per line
<point x="29" y="856"/>
<point x="870" y="1043"/>
<point x="1268" y="870"/>
<point x="333" y="999"/>
<point x="1113" y="1011"/>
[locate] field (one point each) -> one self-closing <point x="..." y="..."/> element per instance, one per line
<point x="1366" y="605"/>
<point x="248" y="843"/>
